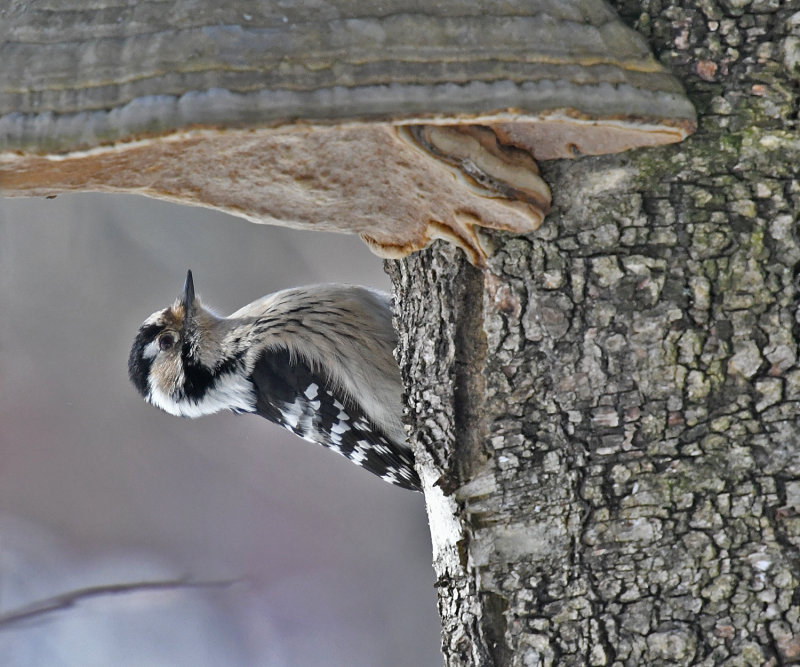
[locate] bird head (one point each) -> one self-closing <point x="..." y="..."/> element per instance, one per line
<point x="166" y="363"/>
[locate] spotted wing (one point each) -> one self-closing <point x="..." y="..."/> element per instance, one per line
<point x="290" y="394"/>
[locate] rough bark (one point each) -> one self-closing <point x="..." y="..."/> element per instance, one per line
<point x="613" y="408"/>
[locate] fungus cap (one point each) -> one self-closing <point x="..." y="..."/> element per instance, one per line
<point x="400" y="121"/>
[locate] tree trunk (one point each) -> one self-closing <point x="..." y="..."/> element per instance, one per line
<point x="612" y="410"/>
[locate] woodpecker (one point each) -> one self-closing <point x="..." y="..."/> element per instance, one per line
<point x="316" y="360"/>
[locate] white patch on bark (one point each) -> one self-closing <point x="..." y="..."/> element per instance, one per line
<point x="445" y="527"/>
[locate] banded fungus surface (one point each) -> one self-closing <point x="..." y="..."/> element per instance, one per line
<point x="399" y="121"/>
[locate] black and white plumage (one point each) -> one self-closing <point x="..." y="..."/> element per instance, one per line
<point x="316" y="360"/>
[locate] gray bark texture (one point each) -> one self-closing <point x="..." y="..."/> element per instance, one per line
<point x="612" y="410"/>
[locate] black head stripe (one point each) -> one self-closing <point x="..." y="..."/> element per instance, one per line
<point x="199" y="379"/>
<point x="138" y="365"/>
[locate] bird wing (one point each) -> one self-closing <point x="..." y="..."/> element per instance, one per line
<point x="291" y="394"/>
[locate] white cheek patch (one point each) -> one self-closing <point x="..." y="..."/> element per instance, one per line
<point x="151" y="349"/>
<point x="230" y="392"/>
<point x="161" y="400"/>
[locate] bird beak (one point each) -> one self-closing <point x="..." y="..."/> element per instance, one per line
<point x="187" y="298"/>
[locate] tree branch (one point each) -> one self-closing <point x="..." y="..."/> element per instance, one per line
<point x="71" y="598"/>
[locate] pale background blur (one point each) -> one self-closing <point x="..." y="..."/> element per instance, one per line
<point x="97" y="487"/>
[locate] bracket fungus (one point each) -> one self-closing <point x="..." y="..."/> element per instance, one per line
<point x="400" y="121"/>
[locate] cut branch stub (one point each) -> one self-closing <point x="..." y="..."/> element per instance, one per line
<point x="397" y="121"/>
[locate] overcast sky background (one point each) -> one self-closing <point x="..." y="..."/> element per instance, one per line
<point x="97" y="487"/>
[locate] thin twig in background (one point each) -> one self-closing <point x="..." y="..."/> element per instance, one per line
<point x="71" y="598"/>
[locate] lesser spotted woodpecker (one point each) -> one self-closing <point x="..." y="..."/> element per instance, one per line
<point x="316" y="360"/>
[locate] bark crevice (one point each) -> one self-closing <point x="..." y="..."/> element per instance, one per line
<point x="468" y="380"/>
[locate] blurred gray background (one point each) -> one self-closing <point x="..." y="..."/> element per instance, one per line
<point x="97" y="487"/>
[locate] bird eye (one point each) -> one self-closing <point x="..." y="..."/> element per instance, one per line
<point x="166" y="341"/>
